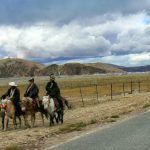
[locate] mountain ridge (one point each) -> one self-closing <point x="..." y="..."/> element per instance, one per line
<point x="13" y="67"/>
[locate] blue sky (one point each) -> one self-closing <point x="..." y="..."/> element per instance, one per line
<point x="61" y="31"/>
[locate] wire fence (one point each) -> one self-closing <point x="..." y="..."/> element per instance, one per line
<point x="96" y="93"/>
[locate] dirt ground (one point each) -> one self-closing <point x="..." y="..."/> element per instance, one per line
<point x="77" y="121"/>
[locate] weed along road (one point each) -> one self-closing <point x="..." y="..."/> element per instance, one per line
<point x="132" y="134"/>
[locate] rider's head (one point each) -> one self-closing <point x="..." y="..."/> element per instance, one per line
<point x="31" y="79"/>
<point x="52" y="77"/>
<point x="12" y="85"/>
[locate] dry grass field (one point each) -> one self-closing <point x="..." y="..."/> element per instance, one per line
<point x="99" y="109"/>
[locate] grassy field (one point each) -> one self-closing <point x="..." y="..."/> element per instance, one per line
<point x="88" y="90"/>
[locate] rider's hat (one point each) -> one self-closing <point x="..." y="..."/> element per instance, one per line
<point x="12" y="84"/>
<point x="31" y="79"/>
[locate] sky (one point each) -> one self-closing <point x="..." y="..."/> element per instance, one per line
<point x="63" y="31"/>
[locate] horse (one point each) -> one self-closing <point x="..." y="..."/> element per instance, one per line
<point x="50" y="107"/>
<point x="53" y="109"/>
<point x="8" y="110"/>
<point x="29" y="106"/>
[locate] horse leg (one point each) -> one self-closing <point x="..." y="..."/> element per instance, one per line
<point x="32" y="119"/>
<point x="56" y="118"/>
<point x="42" y="116"/>
<point x="26" y="120"/>
<point x="3" y="120"/>
<point x="5" y="123"/>
<point x="19" y="121"/>
<point x="14" y="122"/>
<point x="61" y="116"/>
<point x="51" y="119"/>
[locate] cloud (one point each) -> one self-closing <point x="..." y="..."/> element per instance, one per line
<point x="108" y="36"/>
<point x="128" y="60"/>
<point x="121" y="60"/>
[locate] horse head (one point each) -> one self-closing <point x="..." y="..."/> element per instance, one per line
<point x="3" y="104"/>
<point x="26" y="103"/>
<point x="46" y="101"/>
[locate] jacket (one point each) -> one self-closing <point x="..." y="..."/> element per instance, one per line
<point x="52" y="89"/>
<point x="14" y="94"/>
<point x="32" y="91"/>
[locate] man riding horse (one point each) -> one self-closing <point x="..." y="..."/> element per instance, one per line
<point x="32" y="91"/>
<point x="53" y="90"/>
<point x="13" y="94"/>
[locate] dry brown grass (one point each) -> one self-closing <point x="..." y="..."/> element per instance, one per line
<point x="78" y="119"/>
<point x="70" y="85"/>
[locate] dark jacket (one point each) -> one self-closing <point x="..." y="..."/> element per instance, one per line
<point x="32" y="91"/>
<point x="15" y="96"/>
<point x="52" y="89"/>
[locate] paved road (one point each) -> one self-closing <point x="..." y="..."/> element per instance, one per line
<point x="133" y="134"/>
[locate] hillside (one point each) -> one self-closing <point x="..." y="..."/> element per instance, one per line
<point x="79" y="69"/>
<point x="107" y="67"/>
<point x="11" y="67"/>
<point x="136" y="69"/>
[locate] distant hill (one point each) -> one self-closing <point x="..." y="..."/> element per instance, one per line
<point x="135" y="69"/>
<point x="107" y="67"/>
<point x="79" y="69"/>
<point x="12" y="67"/>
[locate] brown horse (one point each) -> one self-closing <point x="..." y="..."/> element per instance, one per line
<point x="9" y="112"/>
<point x="30" y="108"/>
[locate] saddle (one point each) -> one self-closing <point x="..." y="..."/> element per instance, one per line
<point x="34" y="103"/>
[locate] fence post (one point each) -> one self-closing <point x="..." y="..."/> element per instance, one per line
<point x="131" y="87"/>
<point x="111" y="91"/>
<point x="97" y="93"/>
<point x="81" y="96"/>
<point x="139" y="86"/>
<point x="124" y="89"/>
<point x="148" y="86"/>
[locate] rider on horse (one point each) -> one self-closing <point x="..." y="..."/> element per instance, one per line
<point x="32" y="91"/>
<point x="14" y="95"/>
<point x="53" y="90"/>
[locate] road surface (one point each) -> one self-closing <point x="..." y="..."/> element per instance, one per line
<point x="133" y="134"/>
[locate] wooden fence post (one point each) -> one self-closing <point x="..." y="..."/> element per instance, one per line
<point x="148" y="86"/>
<point x="124" y="89"/>
<point x="97" y="93"/>
<point x="81" y="96"/>
<point x="139" y="86"/>
<point x="111" y="91"/>
<point x="131" y="86"/>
